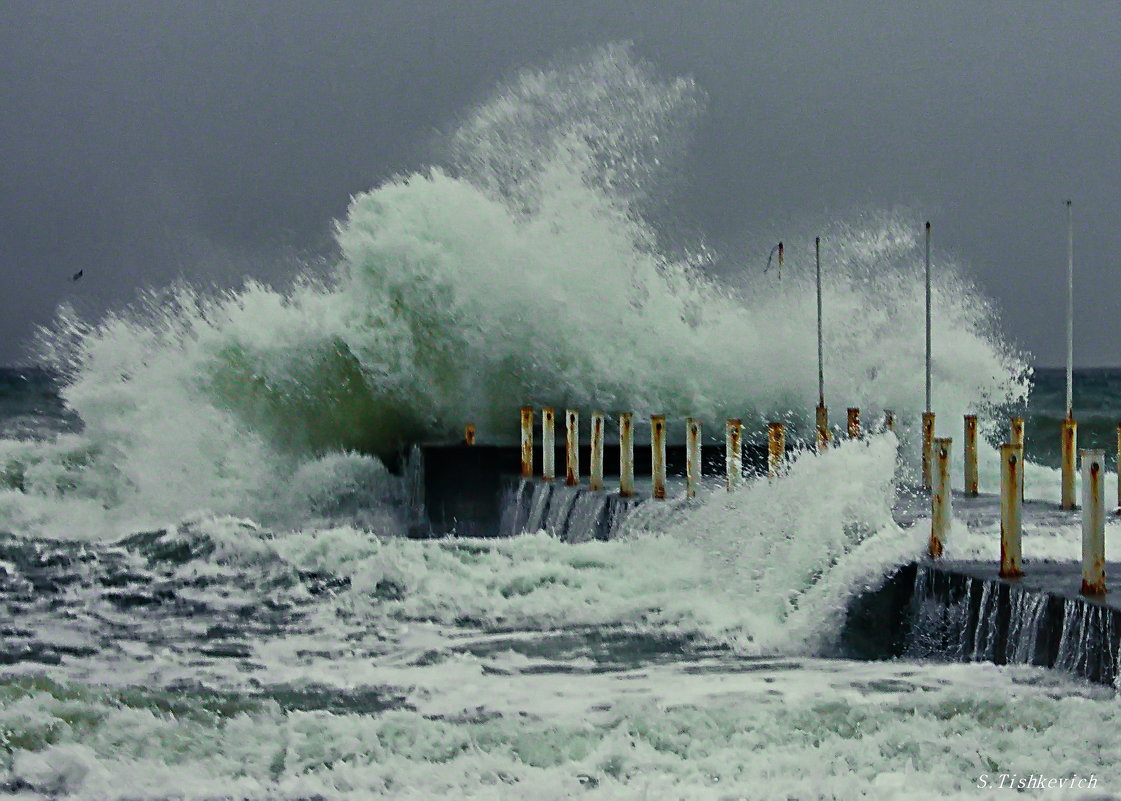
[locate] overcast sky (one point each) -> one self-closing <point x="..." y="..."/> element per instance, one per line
<point x="150" y="140"/>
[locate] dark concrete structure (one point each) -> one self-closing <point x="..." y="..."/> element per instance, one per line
<point x="964" y="611"/>
<point x="463" y="484"/>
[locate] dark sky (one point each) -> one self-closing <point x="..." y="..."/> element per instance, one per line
<point x="149" y="140"/>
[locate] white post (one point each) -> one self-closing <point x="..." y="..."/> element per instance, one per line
<point x="596" y="468"/>
<point x="658" y="454"/>
<point x="626" y="454"/>
<point x="1093" y="522"/>
<point x="941" y="503"/>
<point x="733" y="453"/>
<point x="692" y="457"/>
<point x="548" y="444"/>
<point x="572" y="448"/>
<point x="1011" y="510"/>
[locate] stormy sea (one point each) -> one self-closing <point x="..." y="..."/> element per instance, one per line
<point x="213" y="579"/>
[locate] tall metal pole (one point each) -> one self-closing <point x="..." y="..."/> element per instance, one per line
<point x="1069" y="428"/>
<point x="1070" y="314"/>
<point x="822" y="412"/>
<point x="820" y="351"/>
<point x="928" y="415"/>
<point x="928" y="317"/>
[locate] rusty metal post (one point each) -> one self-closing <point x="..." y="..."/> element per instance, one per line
<point x="572" y="448"/>
<point x="823" y="435"/>
<point x="692" y="457"/>
<point x="658" y="454"/>
<point x="889" y="420"/>
<point x="854" y="423"/>
<point x="469" y="434"/>
<point x="776" y="448"/>
<point x="1093" y="522"/>
<point x="1011" y="510"/>
<point x="548" y="444"/>
<point x="1016" y="437"/>
<point x="1070" y="444"/>
<point x="927" y="447"/>
<point x="596" y="469"/>
<point x="941" y="501"/>
<point x="733" y="453"/>
<point x="1016" y="431"/>
<point x="972" y="483"/>
<point x="527" y="442"/>
<point x="626" y="455"/>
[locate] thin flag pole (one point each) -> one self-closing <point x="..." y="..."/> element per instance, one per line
<point x="1070" y="313"/>
<point x="820" y="349"/>
<point x="928" y="316"/>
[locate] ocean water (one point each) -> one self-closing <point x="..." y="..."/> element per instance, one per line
<point x="209" y="592"/>
<point x="1095" y="410"/>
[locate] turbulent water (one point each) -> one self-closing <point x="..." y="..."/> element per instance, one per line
<point x="206" y="583"/>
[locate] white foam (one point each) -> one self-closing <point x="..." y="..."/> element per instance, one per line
<point x="695" y="730"/>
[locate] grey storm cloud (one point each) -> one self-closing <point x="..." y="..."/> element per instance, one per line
<point x="147" y="141"/>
